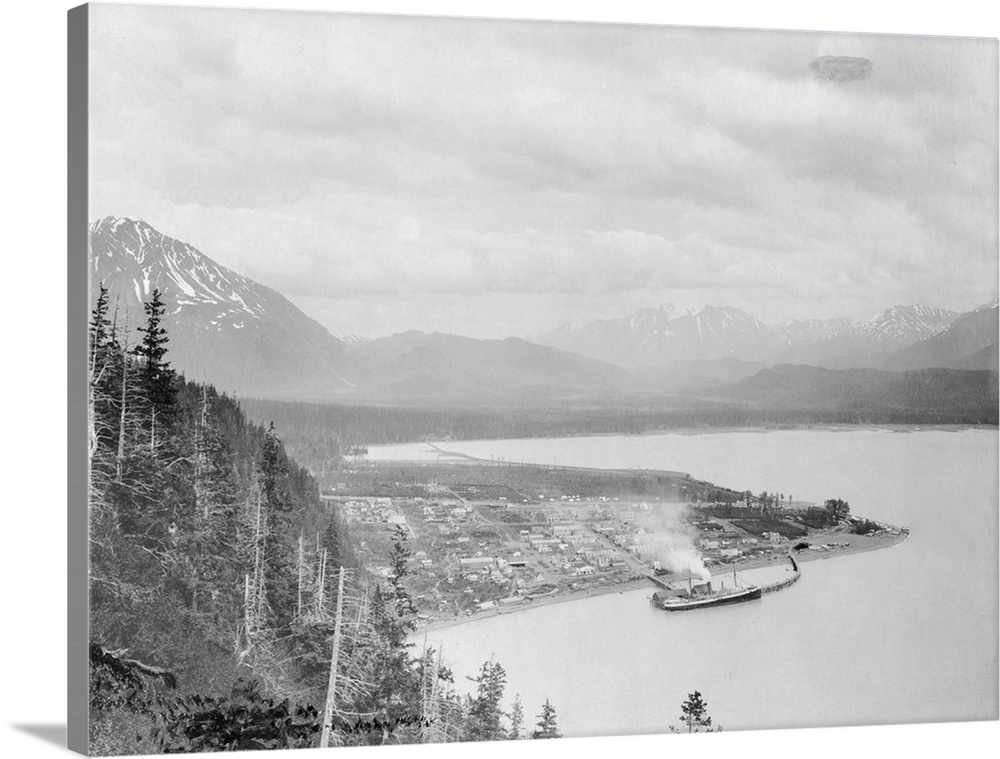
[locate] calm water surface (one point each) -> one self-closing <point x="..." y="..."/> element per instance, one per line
<point x="902" y="635"/>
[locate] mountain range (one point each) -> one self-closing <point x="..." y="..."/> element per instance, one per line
<point x="969" y="342"/>
<point x="246" y="338"/>
<point x="655" y="338"/>
<point x="862" y="344"/>
<point x="249" y="339"/>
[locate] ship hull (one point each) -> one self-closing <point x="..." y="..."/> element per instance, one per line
<point x="750" y="594"/>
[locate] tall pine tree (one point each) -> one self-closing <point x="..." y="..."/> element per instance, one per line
<point x="156" y="379"/>
<point x="279" y="577"/>
<point x="546" y="723"/>
<point x="694" y="715"/>
<point x="483" y="720"/>
<point x="516" y="719"/>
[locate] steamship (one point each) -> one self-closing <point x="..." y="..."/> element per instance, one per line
<point x="679" y="598"/>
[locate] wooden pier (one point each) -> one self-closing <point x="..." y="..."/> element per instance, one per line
<point x="796" y="574"/>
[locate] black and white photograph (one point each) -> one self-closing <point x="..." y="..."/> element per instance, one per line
<point x="456" y="379"/>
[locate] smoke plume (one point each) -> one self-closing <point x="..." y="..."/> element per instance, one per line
<point x="669" y="540"/>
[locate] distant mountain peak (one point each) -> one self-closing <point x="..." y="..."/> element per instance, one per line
<point x="866" y="343"/>
<point x="116" y="221"/>
<point x="656" y="336"/>
<point x="969" y="342"/>
<point x="126" y="248"/>
<point x="223" y="327"/>
<point x="356" y="340"/>
<point x="905" y="324"/>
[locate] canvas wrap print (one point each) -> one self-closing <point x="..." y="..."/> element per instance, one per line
<point x="487" y="380"/>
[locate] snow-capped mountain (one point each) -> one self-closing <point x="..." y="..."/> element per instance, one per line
<point x="866" y="342"/>
<point x="655" y="337"/>
<point x="970" y="342"/>
<point x="246" y="338"/>
<point x="223" y="327"/>
<point x="125" y="249"/>
<point x="902" y="325"/>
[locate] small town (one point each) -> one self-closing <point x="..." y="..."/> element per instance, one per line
<point x="486" y="539"/>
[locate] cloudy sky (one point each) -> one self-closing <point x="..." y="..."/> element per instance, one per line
<point x="496" y="178"/>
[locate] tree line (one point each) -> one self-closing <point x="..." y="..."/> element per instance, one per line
<point x="319" y="434"/>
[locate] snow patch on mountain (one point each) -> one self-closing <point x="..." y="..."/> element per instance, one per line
<point x="223" y="326"/>
<point x="655" y="336"/>
<point x="901" y="324"/>
<point x="356" y="340"/>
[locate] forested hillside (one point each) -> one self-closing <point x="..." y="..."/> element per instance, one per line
<point x="218" y="580"/>
<point x="318" y="433"/>
<point x="944" y="396"/>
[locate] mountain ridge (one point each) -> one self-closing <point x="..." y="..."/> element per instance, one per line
<point x="810" y="388"/>
<point x="249" y="339"/>
<point x="238" y="333"/>
<point x="654" y="337"/>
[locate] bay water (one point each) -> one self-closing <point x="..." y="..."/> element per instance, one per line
<point x="907" y="634"/>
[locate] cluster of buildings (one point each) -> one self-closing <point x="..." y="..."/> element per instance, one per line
<point x="576" y="546"/>
<point x="469" y="557"/>
<point x="372" y="511"/>
<point x="726" y="547"/>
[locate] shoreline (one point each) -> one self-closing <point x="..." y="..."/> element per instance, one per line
<point x="858" y="544"/>
<point x="536" y="603"/>
<point x="777" y="427"/>
<point x="455" y="457"/>
<point x="847" y="544"/>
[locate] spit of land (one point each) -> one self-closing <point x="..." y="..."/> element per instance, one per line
<point x="487" y="538"/>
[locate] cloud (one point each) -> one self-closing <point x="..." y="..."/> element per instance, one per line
<point x="359" y="156"/>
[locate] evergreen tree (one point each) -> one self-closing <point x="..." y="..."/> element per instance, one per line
<point x="100" y="327"/>
<point x="273" y="471"/>
<point x="483" y="720"/>
<point x="397" y="691"/>
<point x="98" y="369"/>
<point x="516" y="719"/>
<point x="278" y="503"/>
<point x="546" y="723"/>
<point x="694" y="715"/>
<point x="398" y="558"/>
<point x="156" y="378"/>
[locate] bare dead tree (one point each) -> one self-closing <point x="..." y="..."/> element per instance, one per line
<point x="331" y="690"/>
